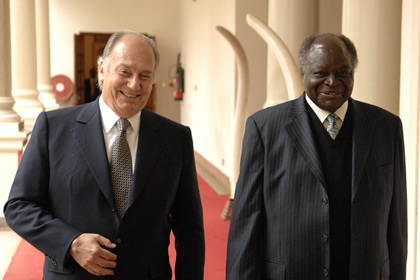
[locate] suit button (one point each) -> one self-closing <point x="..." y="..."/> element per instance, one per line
<point x="325" y="237"/>
<point x="118" y="240"/>
<point x="325" y="201"/>
<point x="325" y="272"/>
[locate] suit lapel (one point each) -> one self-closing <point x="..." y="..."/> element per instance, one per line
<point x="89" y="137"/>
<point x="363" y="132"/>
<point x="300" y="131"/>
<point x="147" y="153"/>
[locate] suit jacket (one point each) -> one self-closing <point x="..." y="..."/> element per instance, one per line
<point x="62" y="189"/>
<point x="280" y="221"/>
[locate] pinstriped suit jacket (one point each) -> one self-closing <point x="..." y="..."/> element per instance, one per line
<point x="280" y="222"/>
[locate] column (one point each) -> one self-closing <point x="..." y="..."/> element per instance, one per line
<point x="11" y="124"/>
<point x="24" y="69"/>
<point x="375" y="28"/>
<point x="46" y="94"/>
<point x="293" y="21"/>
<point x="409" y="113"/>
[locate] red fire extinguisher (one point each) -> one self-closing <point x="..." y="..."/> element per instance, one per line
<point x="178" y="84"/>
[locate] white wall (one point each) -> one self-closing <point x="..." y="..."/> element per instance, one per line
<point x="330" y="15"/>
<point x="375" y="28"/>
<point x="159" y="18"/>
<point x="410" y="116"/>
<point x="209" y="76"/>
<point x="255" y="48"/>
<point x="210" y="80"/>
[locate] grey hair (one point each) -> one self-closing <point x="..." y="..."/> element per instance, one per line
<point x="307" y="44"/>
<point x="112" y="41"/>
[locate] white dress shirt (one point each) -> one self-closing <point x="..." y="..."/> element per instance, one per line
<point x="322" y="114"/>
<point x="110" y="130"/>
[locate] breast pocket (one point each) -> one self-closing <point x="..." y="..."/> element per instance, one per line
<point x="274" y="271"/>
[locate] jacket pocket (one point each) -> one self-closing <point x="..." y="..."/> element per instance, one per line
<point x="274" y="271"/>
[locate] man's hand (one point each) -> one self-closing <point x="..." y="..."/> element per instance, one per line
<point x="89" y="250"/>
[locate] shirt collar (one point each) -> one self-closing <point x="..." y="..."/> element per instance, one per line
<point x="109" y="118"/>
<point x="322" y="114"/>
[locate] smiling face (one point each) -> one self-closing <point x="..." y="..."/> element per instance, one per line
<point x="328" y="75"/>
<point x="128" y="76"/>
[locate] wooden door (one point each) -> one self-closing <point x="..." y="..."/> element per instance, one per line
<point x="88" y="48"/>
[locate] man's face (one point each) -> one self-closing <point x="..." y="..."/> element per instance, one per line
<point x="128" y="76"/>
<point x="328" y="75"/>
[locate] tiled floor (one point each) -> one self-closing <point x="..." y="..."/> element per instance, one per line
<point x="8" y="244"/>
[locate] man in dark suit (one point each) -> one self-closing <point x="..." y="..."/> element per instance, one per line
<point x="314" y="204"/>
<point x="68" y="202"/>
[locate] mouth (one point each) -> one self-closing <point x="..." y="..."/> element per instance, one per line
<point x="332" y="93"/>
<point x="130" y="95"/>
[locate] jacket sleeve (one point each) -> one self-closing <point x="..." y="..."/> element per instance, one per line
<point x="245" y="242"/>
<point x="27" y="209"/>
<point x="187" y="219"/>
<point x="397" y="224"/>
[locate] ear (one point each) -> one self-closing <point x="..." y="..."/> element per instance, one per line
<point x="101" y="70"/>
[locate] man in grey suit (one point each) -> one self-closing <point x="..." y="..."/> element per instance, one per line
<point x="320" y="196"/>
<point x="95" y="210"/>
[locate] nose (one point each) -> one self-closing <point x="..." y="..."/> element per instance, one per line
<point x="134" y="83"/>
<point x="331" y="80"/>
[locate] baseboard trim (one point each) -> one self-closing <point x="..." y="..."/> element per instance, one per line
<point x="212" y="175"/>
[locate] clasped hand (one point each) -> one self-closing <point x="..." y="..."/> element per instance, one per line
<point x="89" y="250"/>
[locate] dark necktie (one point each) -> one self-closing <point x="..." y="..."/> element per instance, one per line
<point x="121" y="167"/>
<point x="332" y="128"/>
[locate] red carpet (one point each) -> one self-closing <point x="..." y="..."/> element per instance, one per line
<point x="27" y="262"/>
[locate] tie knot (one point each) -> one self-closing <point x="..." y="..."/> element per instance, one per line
<point x="332" y="118"/>
<point x="123" y="124"/>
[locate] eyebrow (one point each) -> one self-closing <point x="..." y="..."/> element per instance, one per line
<point x="128" y="66"/>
